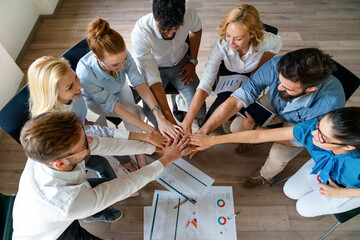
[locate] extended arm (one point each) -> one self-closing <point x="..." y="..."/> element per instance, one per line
<point x="257" y="136"/>
<point x="230" y="107"/>
<point x="166" y="128"/>
<point x="196" y="103"/>
<point x="160" y="95"/>
<point x="131" y="118"/>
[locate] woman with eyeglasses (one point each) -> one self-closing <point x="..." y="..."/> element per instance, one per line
<point x="330" y="181"/>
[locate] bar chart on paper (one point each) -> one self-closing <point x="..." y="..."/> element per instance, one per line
<point x="183" y="178"/>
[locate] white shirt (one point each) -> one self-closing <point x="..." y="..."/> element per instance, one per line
<point x="48" y="201"/>
<point x="232" y="60"/>
<point x="152" y="51"/>
<point x="78" y="106"/>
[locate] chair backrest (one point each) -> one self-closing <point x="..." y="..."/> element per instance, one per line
<point x="271" y="29"/>
<point x="76" y="52"/>
<point x="345" y="216"/>
<point x="6" y="207"/>
<point x="16" y="113"/>
<point x="349" y="80"/>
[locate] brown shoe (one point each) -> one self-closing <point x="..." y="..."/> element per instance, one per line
<point x="256" y="180"/>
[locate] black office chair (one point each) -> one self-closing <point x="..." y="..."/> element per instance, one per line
<point x="15" y="113"/>
<point x="342" y="218"/>
<point x="7" y="204"/>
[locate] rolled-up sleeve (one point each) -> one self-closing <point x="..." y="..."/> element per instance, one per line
<point x="92" y="89"/>
<point x="102" y="131"/>
<point x="144" y="59"/>
<point x="251" y="90"/>
<point x="132" y="71"/>
<point x="92" y="200"/>
<point x="211" y="69"/>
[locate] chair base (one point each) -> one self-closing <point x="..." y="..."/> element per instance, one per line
<point x="330" y="230"/>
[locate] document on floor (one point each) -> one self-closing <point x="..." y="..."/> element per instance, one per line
<point x="185" y="179"/>
<point x="206" y="220"/>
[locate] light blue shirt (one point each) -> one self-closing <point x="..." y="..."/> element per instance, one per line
<point x="329" y="95"/>
<point x="78" y="106"/>
<point x="344" y="169"/>
<point x="101" y="86"/>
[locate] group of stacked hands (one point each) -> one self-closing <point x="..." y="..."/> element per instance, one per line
<point x="54" y="192"/>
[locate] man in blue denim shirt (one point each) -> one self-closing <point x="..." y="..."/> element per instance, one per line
<point x="301" y="88"/>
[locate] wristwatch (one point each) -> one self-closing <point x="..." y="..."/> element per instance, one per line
<point x="156" y="108"/>
<point x="193" y="61"/>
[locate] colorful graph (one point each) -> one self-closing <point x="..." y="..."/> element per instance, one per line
<point x="220" y="203"/>
<point x="222" y="220"/>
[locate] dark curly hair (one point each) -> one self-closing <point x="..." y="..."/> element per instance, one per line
<point x="309" y="66"/>
<point x="169" y="14"/>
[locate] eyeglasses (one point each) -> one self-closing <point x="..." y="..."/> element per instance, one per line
<point x="322" y="137"/>
<point x="82" y="151"/>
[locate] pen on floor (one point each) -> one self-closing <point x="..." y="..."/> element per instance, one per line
<point x="181" y="203"/>
<point x="234" y="215"/>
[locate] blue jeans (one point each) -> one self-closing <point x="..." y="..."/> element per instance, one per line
<point x="101" y="166"/>
<point x="187" y="92"/>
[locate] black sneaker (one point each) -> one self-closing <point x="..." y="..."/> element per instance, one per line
<point x="107" y="215"/>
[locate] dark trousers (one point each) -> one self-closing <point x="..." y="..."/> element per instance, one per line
<point x="75" y="231"/>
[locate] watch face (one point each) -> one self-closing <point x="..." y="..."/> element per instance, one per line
<point x="193" y="61"/>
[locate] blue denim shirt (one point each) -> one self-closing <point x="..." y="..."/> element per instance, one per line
<point x="101" y="86"/>
<point x="329" y="95"/>
<point x="344" y="169"/>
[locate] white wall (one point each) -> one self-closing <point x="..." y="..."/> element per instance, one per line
<point x="10" y="77"/>
<point x="17" y="18"/>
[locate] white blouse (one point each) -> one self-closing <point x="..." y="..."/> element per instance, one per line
<point x="232" y="60"/>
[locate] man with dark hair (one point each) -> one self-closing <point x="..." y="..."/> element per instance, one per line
<point x="53" y="190"/>
<point x="301" y="88"/>
<point x="164" y="57"/>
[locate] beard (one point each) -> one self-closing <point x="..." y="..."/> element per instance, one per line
<point x="167" y="38"/>
<point x="287" y="98"/>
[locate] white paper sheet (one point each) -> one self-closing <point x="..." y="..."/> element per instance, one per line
<point x="230" y="83"/>
<point x="183" y="178"/>
<point x="206" y="220"/>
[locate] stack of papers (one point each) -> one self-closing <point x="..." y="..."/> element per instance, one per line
<point x="202" y="216"/>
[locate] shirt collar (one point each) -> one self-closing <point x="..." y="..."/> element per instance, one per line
<point x="232" y="52"/>
<point x="157" y="33"/>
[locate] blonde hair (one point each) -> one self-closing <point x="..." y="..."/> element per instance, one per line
<point x="249" y="17"/>
<point x="43" y="76"/>
<point x="102" y="38"/>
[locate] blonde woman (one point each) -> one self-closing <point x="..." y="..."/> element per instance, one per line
<point x="243" y="46"/>
<point x="54" y="86"/>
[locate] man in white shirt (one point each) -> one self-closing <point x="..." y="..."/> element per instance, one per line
<point x="53" y="190"/>
<point x="160" y="51"/>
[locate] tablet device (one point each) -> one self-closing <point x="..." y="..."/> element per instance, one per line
<point x="261" y="114"/>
